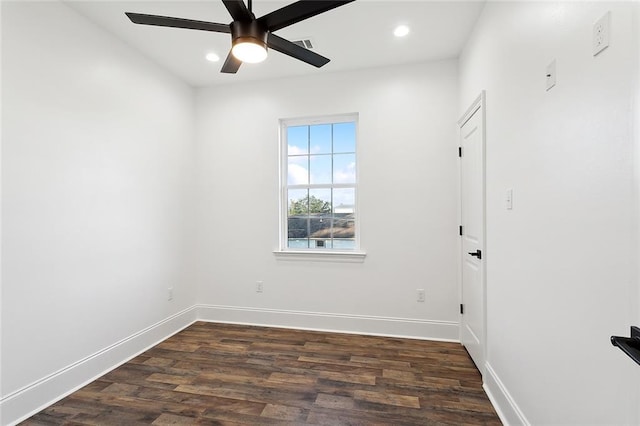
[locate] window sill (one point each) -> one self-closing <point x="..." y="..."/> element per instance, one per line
<point x="321" y="256"/>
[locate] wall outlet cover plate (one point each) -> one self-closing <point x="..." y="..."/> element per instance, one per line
<point x="601" y="33"/>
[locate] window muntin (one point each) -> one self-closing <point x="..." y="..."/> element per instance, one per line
<point x="320" y="178"/>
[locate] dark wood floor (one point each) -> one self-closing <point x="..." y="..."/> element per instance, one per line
<point x="217" y="374"/>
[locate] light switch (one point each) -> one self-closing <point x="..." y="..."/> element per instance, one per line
<point x="509" y="199"/>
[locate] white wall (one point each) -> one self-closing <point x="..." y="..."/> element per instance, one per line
<point x="97" y="147"/>
<point x="408" y="185"/>
<point x="1" y="116"/>
<point x="560" y="264"/>
<point x="636" y="23"/>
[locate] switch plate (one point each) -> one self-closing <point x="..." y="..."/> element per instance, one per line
<point x="420" y="295"/>
<point x="601" y="33"/>
<point x="508" y="200"/>
<point x="551" y="75"/>
<point x="170" y="293"/>
<point x="259" y="287"/>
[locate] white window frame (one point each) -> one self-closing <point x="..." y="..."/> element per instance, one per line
<point x="340" y="255"/>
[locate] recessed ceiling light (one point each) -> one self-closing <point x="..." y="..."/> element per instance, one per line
<point x="401" y="31"/>
<point x="212" y="57"/>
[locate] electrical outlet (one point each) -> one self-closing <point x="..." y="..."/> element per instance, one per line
<point x="420" y="295"/>
<point x="601" y="33"/>
<point x="259" y="287"/>
<point x="170" y="293"/>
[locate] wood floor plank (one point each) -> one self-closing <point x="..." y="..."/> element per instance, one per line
<point x="171" y="379"/>
<point x="159" y="362"/>
<point x="283" y="412"/>
<point x="166" y="419"/>
<point x="383" y="362"/>
<point x="226" y="374"/>
<point x="363" y="379"/>
<point x="334" y="401"/>
<point x="405" y="376"/>
<point x="386" y="398"/>
<point x="292" y="378"/>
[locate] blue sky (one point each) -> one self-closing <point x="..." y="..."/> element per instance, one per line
<point x="322" y="154"/>
<point x="311" y="151"/>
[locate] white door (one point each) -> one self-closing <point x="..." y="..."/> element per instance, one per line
<point x="472" y="247"/>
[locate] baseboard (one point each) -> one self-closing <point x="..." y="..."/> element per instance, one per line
<point x="447" y="331"/>
<point x="505" y="405"/>
<point x="25" y="402"/>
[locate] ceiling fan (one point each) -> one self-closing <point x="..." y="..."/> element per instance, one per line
<point x="250" y="36"/>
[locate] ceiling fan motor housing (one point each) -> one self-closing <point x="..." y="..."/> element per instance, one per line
<point x="250" y="31"/>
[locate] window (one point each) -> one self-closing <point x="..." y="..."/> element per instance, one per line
<point x="319" y="182"/>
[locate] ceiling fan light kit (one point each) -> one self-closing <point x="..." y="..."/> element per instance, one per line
<point x="249" y="41"/>
<point x="249" y="50"/>
<point x="251" y="36"/>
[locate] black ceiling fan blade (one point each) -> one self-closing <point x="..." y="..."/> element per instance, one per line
<point x="295" y="51"/>
<point x="238" y="10"/>
<point x="168" y="21"/>
<point x="231" y="64"/>
<point x="298" y="11"/>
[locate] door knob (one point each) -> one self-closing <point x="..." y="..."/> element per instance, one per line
<point x="477" y="254"/>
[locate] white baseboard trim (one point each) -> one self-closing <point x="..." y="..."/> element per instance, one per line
<point x="506" y="407"/>
<point x="25" y="402"/>
<point x="447" y="331"/>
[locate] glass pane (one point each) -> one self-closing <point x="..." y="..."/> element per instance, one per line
<point x="298" y="228"/>
<point x="344" y="168"/>
<point x="298" y="202"/>
<point x="320" y="203"/>
<point x="298" y="170"/>
<point x="320" y="232"/>
<point x="344" y="235"/>
<point x="320" y="167"/>
<point x="344" y="229"/>
<point x="320" y="139"/>
<point x="319" y="218"/>
<point x="298" y="219"/>
<point x="344" y="137"/>
<point x="297" y="140"/>
<point x="344" y="201"/>
<point x="298" y="243"/>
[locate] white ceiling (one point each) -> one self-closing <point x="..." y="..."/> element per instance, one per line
<point x="357" y="35"/>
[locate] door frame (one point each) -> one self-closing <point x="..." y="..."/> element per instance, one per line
<point x="478" y="105"/>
